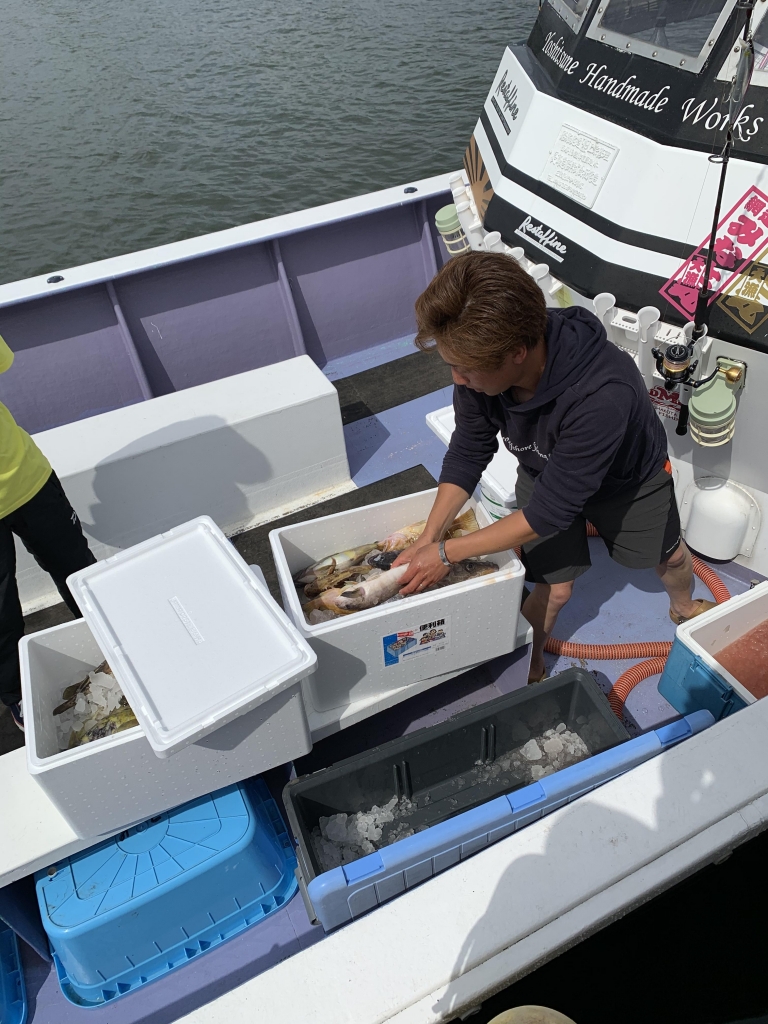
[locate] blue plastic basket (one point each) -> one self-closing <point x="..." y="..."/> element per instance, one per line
<point x="13" y="995"/>
<point x="156" y="896"/>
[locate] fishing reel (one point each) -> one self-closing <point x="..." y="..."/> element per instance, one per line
<point x="677" y="366"/>
<point x="708" y="402"/>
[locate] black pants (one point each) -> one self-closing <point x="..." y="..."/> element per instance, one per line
<point x="49" y="529"/>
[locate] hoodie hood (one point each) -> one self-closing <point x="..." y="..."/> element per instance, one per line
<point x="575" y="340"/>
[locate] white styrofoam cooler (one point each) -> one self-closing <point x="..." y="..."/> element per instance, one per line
<point x="354" y="677"/>
<point x="497" y="484"/>
<point x="710" y="632"/>
<point x="210" y="665"/>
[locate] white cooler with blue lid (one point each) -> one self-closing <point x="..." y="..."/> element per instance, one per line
<point x="209" y="663"/>
<point x="497" y="484"/>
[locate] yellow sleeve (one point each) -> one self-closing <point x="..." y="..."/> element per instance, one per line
<point x="6" y="356"/>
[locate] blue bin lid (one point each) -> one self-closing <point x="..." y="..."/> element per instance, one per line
<point x="138" y="862"/>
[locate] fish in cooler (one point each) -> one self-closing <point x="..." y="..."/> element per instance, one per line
<point x="355" y="574"/>
<point x="403" y="538"/>
<point x="326" y="602"/>
<point x="372" y="592"/>
<point x="91" y="709"/>
<point x="466" y="570"/>
<point x="333" y="564"/>
<point x="383" y="588"/>
<point x="345" y="600"/>
<point x="363" y="577"/>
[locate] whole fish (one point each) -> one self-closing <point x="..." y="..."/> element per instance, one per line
<point x="120" y="719"/>
<point x="372" y="592"/>
<point x="327" y="601"/>
<point x="355" y="574"/>
<point x="403" y="538"/>
<point x="466" y="570"/>
<point x="333" y="563"/>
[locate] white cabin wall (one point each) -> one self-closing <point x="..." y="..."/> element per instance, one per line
<point x="642" y="190"/>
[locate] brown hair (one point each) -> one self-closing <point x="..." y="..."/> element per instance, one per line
<point x="480" y="306"/>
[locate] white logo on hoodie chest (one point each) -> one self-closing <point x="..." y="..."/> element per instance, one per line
<point x="533" y="447"/>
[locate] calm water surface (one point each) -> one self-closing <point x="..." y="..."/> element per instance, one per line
<point x="125" y="125"/>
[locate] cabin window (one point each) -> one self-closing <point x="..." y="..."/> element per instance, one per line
<point x="678" y="32"/>
<point x="577" y="6"/>
<point x="571" y="11"/>
<point x="760" y="39"/>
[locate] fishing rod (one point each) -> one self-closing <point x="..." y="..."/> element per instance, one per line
<point x="675" y="364"/>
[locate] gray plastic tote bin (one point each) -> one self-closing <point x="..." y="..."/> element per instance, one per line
<point x="443" y="771"/>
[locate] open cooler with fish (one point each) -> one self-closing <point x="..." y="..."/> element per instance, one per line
<point x="376" y="824"/>
<point x="371" y="657"/>
<point x="201" y="686"/>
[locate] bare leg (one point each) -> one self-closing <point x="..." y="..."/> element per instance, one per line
<point x="541" y="609"/>
<point x="677" y="576"/>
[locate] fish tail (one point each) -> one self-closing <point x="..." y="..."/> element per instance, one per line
<point x="466" y="522"/>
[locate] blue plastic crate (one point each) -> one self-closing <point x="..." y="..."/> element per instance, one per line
<point x="13" y="995"/>
<point x="346" y="892"/>
<point x="154" y="897"/>
<point x="691" y="685"/>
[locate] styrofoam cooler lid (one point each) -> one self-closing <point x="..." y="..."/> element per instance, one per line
<point x="191" y="635"/>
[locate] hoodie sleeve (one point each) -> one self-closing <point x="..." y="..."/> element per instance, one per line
<point x="474" y="441"/>
<point x="585" y="449"/>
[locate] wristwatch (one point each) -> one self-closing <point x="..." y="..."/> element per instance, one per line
<point x="441" y="551"/>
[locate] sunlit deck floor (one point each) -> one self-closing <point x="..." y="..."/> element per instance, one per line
<point x="391" y="451"/>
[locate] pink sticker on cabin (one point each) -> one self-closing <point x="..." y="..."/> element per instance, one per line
<point x="741" y="235"/>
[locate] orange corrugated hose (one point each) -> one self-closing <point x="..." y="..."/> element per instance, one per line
<point x="655" y="650"/>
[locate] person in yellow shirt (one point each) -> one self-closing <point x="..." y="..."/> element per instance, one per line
<point x="34" y="507"/>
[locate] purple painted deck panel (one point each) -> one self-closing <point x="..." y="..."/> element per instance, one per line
<point x="377" y="355"/>
<point x="395" y="440"/>
<point x="218" y="971"/>
<point x="613" y="605"/>
<point x="332" y="292"/>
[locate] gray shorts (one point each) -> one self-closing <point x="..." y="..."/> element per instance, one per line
<point x="641" y="529"/>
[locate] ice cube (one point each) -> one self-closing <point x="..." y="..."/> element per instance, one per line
<point x="553" y="746"/>
<point x="531" y="751"/>
<point x="336" y="829"/>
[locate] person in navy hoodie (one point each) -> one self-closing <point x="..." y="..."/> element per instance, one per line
<point x="575" y="412"/>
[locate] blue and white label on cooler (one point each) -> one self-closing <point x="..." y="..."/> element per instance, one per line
<point x="426" y="638"/>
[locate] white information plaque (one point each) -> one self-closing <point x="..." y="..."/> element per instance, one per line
<point x="578" y="165"/>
